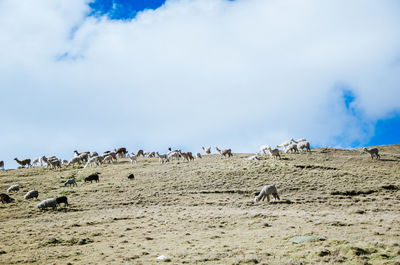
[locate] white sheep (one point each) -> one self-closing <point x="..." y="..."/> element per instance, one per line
<point x="2" y="164"/>
<point x="31" y="194"/>
<point x="206" y="150"/>
<point x="266" y="192"/>
<point x="70" y="182"/>
<point x="48" y="203"/>
<point x="36" y="162"/>
<point x="14" y="187"/>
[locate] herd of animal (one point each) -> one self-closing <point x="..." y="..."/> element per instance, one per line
<point x="94" y="159"/>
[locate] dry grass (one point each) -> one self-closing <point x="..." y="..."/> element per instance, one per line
<point x="202" y="212"/>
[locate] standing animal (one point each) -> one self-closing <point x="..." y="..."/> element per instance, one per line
<point x="284" y="144"/>
<point x="304" y="145"/>
<point x="206" y="150"/>
<point x="121" y="151"/>
<point x="14" y="187"/>
<point x="48" y="203"/>
<point x="263" y="149"/>
<point x="70" y="182"/>
<point x="299" y="140"/>
<point x="291" y="148"/>
<point x="92" y="177"/>
<point x="174" y="154"/>
<point x="274" y="153"/>
<point x="24" y="162"/>
<point x="198" y="155"/>
<point x="224" y="152"/>
<point x="4" y="198"/>
<point x="266" y="191"/>
<point x="62" y="199"/>
<point x="140" y="153"/>
<point x="373" y="152"/>
<point x="133" y="158"/>
<point x="31" y="194"/>
<point x="162" y="158"/>
<point x="93" y="161"/>
<point x="187" y="156"/>
<point x="74" y="160"/>
<point x="131" y="177"/>
<point x="2" y="164"/>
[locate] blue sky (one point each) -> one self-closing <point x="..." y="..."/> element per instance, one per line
<point x="189" y="73"/>
<point x="122" y="9"/>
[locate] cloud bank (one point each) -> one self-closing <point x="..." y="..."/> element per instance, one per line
<point x="195" y="72"/>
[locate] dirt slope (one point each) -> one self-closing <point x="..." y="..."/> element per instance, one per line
<point x="345" y="205"/>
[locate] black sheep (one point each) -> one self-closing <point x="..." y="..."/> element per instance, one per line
<point x="62" y="199"/>
<point x="5" y="198"/>
<point x="92" y="177"/>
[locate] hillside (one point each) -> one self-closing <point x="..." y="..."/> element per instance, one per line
<point x="202" y="212"/>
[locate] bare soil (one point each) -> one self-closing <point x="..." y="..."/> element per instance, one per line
<point x="343" y="205"/>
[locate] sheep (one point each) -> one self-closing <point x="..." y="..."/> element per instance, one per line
<point x="291" y="148"/>
<point x="224" y="152"/>
<point x="47" y="203"/>
<point x="133" y="158"/>
<point x="2" y="164"/>
<point x="24" y="162"/>
<point x="206" y="150"/>
<point x="92" y="177"/>
<point x="70" y="182"/>
<point x="62" y="199"/>
<point x="112" y="154"/>
<point x="303" y="145"/>
<point x="14" y="187"/>
<point x="31" y="194"/>
<point x="150" y="154"/>
<point x="4" y="198"/>
<point x="140" y="153"/>
<point x="198" y="155"/>
<point x="266" y="192"/>
<point x="74" y="160"/>
<point x="131" y="177"/>
<point x="93" y="161"/>
<point x="373" y="152"/>
<point x="274" y="153"/>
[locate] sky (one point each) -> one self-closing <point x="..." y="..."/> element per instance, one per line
<point x="96" y="75"/>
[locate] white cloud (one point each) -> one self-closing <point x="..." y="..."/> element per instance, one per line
<point x="195" y="72"/>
